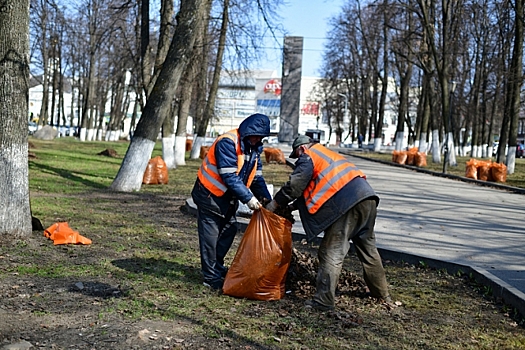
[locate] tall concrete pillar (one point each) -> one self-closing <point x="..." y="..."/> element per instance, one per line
<point x="291" y="88"/>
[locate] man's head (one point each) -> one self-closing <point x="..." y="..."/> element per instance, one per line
<point x="254" y="128"/>
<point x="297" y="143"/>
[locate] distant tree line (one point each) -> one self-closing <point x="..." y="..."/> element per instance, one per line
<point x="423" y="48"/>
<point x="110" y="49"/>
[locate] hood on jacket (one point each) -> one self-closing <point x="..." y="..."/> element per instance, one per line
<point x="255" y="125"/>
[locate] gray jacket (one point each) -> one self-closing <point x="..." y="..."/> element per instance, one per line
<point x="352" y="193"/>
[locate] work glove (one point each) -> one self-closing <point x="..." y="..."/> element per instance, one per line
<point x="254" y="204"/>
<point x="272" y="206"/>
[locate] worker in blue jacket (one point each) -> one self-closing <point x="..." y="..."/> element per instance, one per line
<point x="230" y="172"/>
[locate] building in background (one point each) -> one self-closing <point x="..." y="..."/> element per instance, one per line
<point x="244" y="93"/>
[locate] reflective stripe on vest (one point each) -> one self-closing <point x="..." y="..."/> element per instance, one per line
<point x="331" y="172"/>
<point x="208" y="173"/>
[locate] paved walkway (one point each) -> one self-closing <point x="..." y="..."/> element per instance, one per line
<point x="450" y="224"/>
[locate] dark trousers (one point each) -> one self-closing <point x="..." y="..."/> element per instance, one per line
<point x="356" y="225"/>
<point x="216" y="235"/>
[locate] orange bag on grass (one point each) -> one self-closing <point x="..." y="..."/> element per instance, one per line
<point x="394" y="156"/>
<point x="156" y="172"/>
<point x="402" y="157"/>
<point x="261" y="263"/>
<point x="498" y="172"/>
<point x="471" y="169"/>
<point x="420" y="159"/>
<point x="61" y="233"/>
<point x="411" y="156"/>
<point x="484" y="173"/>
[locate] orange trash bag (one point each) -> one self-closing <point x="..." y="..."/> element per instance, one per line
<point x="411" y="155"/>
<point x="498" y="172"/>
<point x="484" y="173"/>
<point x="156" y="172"/>
<point x="261" y="263"/>
<point x="394" y="156"/>
<point x="420" y="159"/>
<point x="402" y="157"/>
<point x="471" y="169"/>
<point x="61" y="233"/>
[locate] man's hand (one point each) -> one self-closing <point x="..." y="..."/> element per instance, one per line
<point x="254" y="204"/>
<point x="272" y="206"/>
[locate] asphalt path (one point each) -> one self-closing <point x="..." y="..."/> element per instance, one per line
<point x="449" y="220"/>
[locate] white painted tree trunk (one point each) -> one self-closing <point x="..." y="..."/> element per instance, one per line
<point x="83" y="134"/>
<point x="15" y="211"/>
<point x="474" y="151"/>
<point x="180" y="150"/>
<point x="168" y="151"/>
<point x="198" y="141"/>
<point x="377" y="144"/>
<point x="423" y="143"/>
<point x="484" y="151"/>
<point x="400" y="136"/>
<point x="131" y="172"/>
<point x="511" y="159"/>
<point x="116" y="135"/>
<point x="436" y="153"/>
<point x="99" y="134"/>
<point x="451" y="150"/>
<point x="90" y="135"/>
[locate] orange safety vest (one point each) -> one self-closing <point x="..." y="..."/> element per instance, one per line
<point x="331" y="172"/>
<point x="209" y="174"/>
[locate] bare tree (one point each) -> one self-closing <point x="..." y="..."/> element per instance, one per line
<point x="129" y="177"/>
<point x="509" y="127"/>
<point x="209" y="109"/>
<point x="40" y="19"/>
<point x="15" y="212"/>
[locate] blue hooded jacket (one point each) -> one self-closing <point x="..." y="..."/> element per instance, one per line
<point x="226" y="157"/>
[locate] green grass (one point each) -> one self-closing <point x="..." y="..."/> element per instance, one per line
<point x="143" y="243"/>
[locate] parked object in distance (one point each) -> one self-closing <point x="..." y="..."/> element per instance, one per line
<point x="495" y="148"/>
<point x="32" y="127"/>
<point x="270" y="139"/>
<point x="520" y="150"/>
<point x="66" y="130"/>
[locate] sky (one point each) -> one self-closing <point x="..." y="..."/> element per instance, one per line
<point x="309" y="19"/>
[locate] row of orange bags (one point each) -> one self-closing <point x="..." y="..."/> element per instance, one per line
<point x="486" y="170"/>
<point x="410" y="157"/>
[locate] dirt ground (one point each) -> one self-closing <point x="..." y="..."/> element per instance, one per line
<point x="66" y="312"/>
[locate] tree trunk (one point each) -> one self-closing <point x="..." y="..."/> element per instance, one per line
<point x="516" y="78"/>
<point x="15" y="213"/>
<point x="129" y="177"/>
<point x="184" y="108"/>
<point x="378" y="135"/>
<point x="168" y="138"/>
<point x="210" y="104"/>
<point x="199" y="123"/>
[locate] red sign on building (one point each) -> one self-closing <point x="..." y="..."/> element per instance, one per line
<point x="311" y="108"/>
<point x="273" y="86"/>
